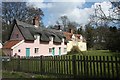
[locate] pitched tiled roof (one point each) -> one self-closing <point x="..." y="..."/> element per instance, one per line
<point x="68" y="35"/>
<point x="11" y="43"/>
<point x="28" y="31"/>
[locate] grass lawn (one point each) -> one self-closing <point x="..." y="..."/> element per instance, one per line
<point x="32" y="65"/>
<point x="99" y="53"/>
<point x="11" y="74"/>
<point x="8" y="74"/>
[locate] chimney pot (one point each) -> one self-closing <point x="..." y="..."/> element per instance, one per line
<point x="71" y="31"/>
<point x="36" y="21"/>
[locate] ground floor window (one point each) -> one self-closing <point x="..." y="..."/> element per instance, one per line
<point x="36" y="50"/>
<point x="53" y="51"/>
<point x="65" y="50"/>
<point x="50" y="50"/>
<point x="19" y="50"/>
<point x="59" y="50"/>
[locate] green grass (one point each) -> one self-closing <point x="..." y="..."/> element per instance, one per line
<point x="1" y="53"/>
<point x="99" y="53"/>
<point x="12" y="74"/>
<point x="8" y="74"/>
<point x="33" y="65"/>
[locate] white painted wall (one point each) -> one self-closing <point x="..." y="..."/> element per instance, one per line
<point x="0" y="45"/>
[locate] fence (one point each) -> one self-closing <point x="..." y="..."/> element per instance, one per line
<point x="68" y="66"/>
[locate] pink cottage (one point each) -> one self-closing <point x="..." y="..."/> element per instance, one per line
<point x="31" y="40"/>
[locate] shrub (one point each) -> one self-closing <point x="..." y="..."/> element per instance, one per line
<point x="75" y="50"/>
<point x="2" y="53"/>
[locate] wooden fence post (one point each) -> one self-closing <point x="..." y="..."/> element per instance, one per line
<point x="74" y="66"/>
<point x="41" y="69"/>
<point x="116" y="66"/>
<point x="18" y="65"/>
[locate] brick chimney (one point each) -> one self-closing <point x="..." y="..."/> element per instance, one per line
<point x="71" y="31"/>
<point x="36" y="22"/>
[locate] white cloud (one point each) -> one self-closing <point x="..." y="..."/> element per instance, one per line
<point x="67" y="0"/>
<point x="64" y="8"/>
<point x="55" y="9"/>
<point x="39" y="4"/>
<point x="105" y="6"/>
<point x="80" y="16"/>
<point x="35" y="0"/>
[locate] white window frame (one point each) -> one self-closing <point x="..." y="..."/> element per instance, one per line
<point x="50" y="50"/>
<point x="19" y="50"/>
<point x="17" y="35"/>
<point x="36" y="50"/>
<point x="65" y="50"/>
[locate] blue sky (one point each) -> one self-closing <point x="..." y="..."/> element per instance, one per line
<point x="47" y="14"/>
<point x="76" y="10"/>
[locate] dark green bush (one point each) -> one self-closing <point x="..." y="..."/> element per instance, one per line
<point x="75" y="50"/>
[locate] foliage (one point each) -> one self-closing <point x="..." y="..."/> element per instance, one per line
<point x="73" y="26"/>
<point x="20" y="11"/>
<point x="80" y="31"/>
<point x="100" y="53"/>
<point x="89" y="34"/>
<point x="2" y="53"/>
<point x="103" y="37"/>
<point x="6" y="30"/>
<point x="8" y="74"/>
<point x="99" y="46"/>
<point x="11" y="74"/>
<point x="75" y="50"/>
<point x="113" y="39"/>
<point x="65" y="24"/>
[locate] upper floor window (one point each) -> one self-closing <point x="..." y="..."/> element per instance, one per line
<point x="17" y="35"/>
<point x="36" y="36"/>
<point x="36" y="50"/>
<point x="51" y="38"/>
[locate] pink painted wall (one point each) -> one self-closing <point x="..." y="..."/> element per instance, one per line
<point x="43" y="48"/>
<point x="16" y="31"/>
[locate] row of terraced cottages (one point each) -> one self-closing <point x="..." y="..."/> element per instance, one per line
<point x="33" y="40"/>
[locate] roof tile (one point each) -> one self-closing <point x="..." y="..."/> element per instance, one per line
<point x="11" y="43"/>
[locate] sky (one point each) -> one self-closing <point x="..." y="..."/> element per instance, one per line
<point x="76" y="10"/>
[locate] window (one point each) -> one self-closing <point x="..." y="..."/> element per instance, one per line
<point x="81" y="46"/>
<point x="65" y="49"/>
<point x="53" y="51"/>
<point x="35" y="36"/>
<point x="17" y="36"/>
<point x="51" y="38"/>
<point x="59" y="50"/>
<point x="19" y="50"/>
<point x="50" y="50"/>
<point x="36" y="50"/>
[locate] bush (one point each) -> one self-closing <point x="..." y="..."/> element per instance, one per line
<point x="2" y="53"/>
<point x="75" y="50"/>
<point x="99" y="46"/>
